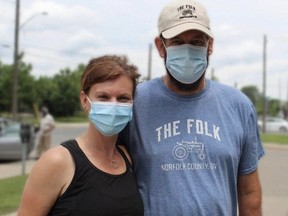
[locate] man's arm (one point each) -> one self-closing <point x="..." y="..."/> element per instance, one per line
<point x="249" y="194"/>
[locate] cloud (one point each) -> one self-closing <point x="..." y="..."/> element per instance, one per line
<point x="75" y="31"/>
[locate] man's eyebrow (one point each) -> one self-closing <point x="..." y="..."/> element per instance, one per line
<point x="200" y="35"/>
<point x="176" y="38"/>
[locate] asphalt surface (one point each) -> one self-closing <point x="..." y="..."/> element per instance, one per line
<point x="273" y="172"/>
<point x="273" y="169"/>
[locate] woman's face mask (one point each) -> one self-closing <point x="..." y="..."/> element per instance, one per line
<point x="110" y="117"/>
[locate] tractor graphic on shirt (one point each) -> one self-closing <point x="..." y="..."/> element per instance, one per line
<point x="182" y="149"/>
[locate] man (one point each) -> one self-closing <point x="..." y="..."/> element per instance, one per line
<point x="47" y="124"/>
<point x="195" y="143"/>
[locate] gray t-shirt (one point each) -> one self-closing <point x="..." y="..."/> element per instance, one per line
<point x="189" y="150"/>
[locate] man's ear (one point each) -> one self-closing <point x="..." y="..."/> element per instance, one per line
<point x="160" y="47"/>
<point x="210" y="46"/>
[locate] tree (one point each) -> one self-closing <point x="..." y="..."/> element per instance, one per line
<point x="59" y="93"/>
<point x="274" y="107"/>
<point x="27" y="92"/>
<point x="46" y="89"/>
<point x="5" y="87"/>
<point x="255" y="96"/>
<point x="25" y="87"/>
<point x="65" y="100"/>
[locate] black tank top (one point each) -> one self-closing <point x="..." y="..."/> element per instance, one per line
<point x="94" y="192"/>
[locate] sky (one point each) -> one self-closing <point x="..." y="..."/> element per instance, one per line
<point x="74" y="31"/>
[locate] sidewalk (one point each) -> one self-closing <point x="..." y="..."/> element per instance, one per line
<point x="14" y="169"/>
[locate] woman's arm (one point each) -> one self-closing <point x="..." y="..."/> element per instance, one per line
<point x="48" y="179"/>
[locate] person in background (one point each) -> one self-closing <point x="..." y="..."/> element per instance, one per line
<point x="47" y="125"/>
<point x="90" y="175"/>
<point x="194" y="142"/>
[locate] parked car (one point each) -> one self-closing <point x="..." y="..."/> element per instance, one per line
<point x="273" y="124"/>
<point x="11" y="144"/>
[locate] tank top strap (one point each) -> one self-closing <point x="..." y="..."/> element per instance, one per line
<point x="72" y="146"/>
<point x="128" y="164"/>
<point x="76" y="153"/>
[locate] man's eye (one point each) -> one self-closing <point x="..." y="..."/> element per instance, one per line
<point x="176" y="43"/>
<point x="198" y="43"/>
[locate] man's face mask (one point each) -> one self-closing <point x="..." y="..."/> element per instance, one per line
<point x="186" y="63"/>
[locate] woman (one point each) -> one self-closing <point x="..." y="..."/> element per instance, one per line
<point x="91" y="175"/>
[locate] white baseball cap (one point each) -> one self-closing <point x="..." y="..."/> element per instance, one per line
<point x="182" y="15"/>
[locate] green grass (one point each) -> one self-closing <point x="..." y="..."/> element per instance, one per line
<point x="10" y="193"/>
<point x="72" y="119"/>
<point x="79" y="117"/>
<point x="274" y="138"/>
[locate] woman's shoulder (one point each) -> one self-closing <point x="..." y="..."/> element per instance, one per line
<point x="56" y="161"/>
<point x="48" y="179"/>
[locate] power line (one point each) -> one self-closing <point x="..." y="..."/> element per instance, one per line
<point x="7" y="20"/>
<point x="40" y="55"/>
<point x="41" y="47"/>
<point x="34" y="46"/>
<point x="46" y="57"/>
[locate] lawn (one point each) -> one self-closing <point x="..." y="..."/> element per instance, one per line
<point x="10" y="193"/>
<point x="275" y="138"/>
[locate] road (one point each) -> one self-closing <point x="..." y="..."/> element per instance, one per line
<point x="64" y="132"/>
<point x="273" y="169"/>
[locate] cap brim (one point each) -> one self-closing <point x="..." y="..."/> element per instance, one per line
<point x="176" y="30"/>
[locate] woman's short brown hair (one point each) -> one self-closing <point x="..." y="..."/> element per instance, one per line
<point x="106" y="68"/>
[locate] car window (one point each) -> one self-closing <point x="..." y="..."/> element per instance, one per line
<point x="14" y="128"/>
<point x="9" y="128"/>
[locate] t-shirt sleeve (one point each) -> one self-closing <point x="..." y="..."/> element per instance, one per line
<point x="252" y="148"/>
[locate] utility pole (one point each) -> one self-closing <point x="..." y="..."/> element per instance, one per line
<point x="212" y="74"/>
<point x="279" y="89"/>
<point x="287" y="91"/>
<point x="286" y="106"/>
<point x="16" y="63"/>
<point x="264" y="86"/>
<point x="149" y="61"/>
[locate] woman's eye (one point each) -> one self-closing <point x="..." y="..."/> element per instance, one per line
<point x="102" y="97"/>
<point x="124" y="99"/>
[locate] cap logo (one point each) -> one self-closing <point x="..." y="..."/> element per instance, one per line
<point x="183" y="15"/>
<point x="187" y="11"/>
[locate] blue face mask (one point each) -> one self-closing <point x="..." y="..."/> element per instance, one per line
<point x="186" y="63"/>
<point x="110" y="117"/>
